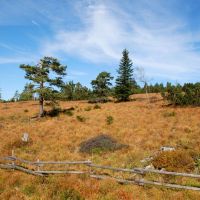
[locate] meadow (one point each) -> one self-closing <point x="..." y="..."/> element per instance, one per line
<point x="142" y="125"/>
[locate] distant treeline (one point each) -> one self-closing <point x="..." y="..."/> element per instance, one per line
<point x="187" y="94"/>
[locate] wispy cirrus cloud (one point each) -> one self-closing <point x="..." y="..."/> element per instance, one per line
<point x="158" y="39"/>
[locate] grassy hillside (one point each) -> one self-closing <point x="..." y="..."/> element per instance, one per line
<point x="144" y="127"/>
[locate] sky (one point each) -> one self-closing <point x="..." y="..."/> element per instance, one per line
<point x="88" y="36"/>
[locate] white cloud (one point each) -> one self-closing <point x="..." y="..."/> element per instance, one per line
<point x="157" y="39"/>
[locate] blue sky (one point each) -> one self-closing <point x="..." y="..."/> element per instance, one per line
<point x="163" y="37"/>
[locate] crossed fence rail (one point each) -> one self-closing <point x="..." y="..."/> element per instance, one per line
<point x="15" y="163"/>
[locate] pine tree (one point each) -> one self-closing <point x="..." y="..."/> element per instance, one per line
<point x="45" y="76"/>
<point x="101" y="85"/>
<point x="28" y="93"/>
<point x="124" y="81"/>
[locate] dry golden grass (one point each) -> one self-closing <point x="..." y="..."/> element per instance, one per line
<point x="144" y="127"/>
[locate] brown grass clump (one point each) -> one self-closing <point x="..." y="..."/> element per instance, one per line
<point x="178" y="161"/>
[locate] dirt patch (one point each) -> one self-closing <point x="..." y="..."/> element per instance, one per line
<point x="101" y="143"/>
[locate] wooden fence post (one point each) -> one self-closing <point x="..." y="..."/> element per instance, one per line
<point x="13" y="162"/>
<point x="38" y="166"/>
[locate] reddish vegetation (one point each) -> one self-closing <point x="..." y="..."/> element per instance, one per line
<point x="143" y="127"/>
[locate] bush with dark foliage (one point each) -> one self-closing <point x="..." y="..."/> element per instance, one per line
<point x="101" y="143"/>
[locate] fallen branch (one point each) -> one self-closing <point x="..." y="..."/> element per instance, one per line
<point x="145" y="182"/>
<point x="41" y="163"/>
<point x="19" y="168"/>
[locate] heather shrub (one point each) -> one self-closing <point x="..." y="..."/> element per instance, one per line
<point x="178" y="161"/>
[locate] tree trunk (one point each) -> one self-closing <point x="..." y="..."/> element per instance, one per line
<point x="41" y="107"/>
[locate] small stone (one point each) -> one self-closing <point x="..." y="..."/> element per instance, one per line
<point x="167" y="148"/>
<point x="149" y="167"/>
<point x="25" y="137"/>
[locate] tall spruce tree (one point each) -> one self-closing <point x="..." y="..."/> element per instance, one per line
<point x="124" y="81"/>
<point x="46" y="76"/>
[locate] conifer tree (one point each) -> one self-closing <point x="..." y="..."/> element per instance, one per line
<point x="46" y="76"/>
<point x="124" y="81"/>
<point x="28" y="93"/>
<point x="101" y="85"/>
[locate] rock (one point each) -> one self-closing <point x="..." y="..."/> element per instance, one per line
<point x="149" y="167"/>
<point x="165" y="148"/>
<point x="25" y="137"/>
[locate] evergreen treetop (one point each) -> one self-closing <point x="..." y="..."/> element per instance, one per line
<point x="124" y="81"/>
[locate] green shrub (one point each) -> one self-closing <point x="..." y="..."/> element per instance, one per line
<point x="109" y="120"/>
<point x="68" y="112"/>
<point x="97" y="106"/>
<point x="80" y="118"/>
<point x="188" y="94"/>
<point x="88" y="108"/>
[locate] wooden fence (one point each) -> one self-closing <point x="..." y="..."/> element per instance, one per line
<point x="15" y="163"/>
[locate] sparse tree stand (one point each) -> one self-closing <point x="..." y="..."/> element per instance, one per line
<point x="124" y="81"/>
<point x="46" y="76"/>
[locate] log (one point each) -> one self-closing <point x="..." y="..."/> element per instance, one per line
<point x="12" y="158"/>
<point x="145" y="182"/>
<point x="167" y="173"/>
<point x="144" y="171"/>
<point x="19" y="168"/>
<point x="62" y="172"/>
<point x="116" y="169"/>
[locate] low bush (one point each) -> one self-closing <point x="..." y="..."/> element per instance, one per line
<point x="99" y="100"/>
<point x="88" y="108"/>
<point x="178" y="161"/>
<point x="99" y="144"/>
<point x="80" y="118"/>
<point x="56" y="111"/>
<point x="188" y="94"/>
<point x="109" y="120"/>
<point x="68" y="112"/>
<point x="97" y="106"/>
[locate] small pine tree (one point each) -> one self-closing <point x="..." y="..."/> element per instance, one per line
<point x="124" y="81"/>
<point x="46" y="76"/>
<point x="101" y="85"/>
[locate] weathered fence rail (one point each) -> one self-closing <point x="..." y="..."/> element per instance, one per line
<point x="15" y="165"/>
